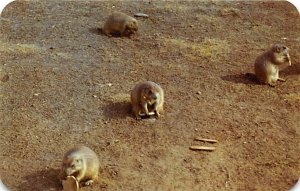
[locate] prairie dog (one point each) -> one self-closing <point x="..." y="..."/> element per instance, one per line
<point x="267" y="65"/>
<point x="120" y="24"/>
<point x="147" y="97"/>
<point x="82" y="163"/>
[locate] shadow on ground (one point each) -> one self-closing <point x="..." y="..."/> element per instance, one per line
<point x="117" y="110"/>
<point x="95" y="30"/>
<point x="294" y="69"/>
<point x="247" y="78"/>
<point x="42" y="180"/>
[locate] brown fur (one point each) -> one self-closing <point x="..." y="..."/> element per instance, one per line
<point x="120" y="24"/>
<point x="267" y="65"/>
<point x="147" y="97"/>
<point x="82" y="163"/>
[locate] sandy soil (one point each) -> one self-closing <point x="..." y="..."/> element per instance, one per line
<point x="63" y="83"/>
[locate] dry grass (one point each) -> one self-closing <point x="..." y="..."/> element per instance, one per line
<point x="121" y="97"/>
<point x="208" y="48"/>
<point x="229" y="11"/>
<point x="172" y="7"/>
<point x="19" y="49"/>
<point x="208" y="19"/>
<point x="27" y="49"/>
<point x="65" y="56"/>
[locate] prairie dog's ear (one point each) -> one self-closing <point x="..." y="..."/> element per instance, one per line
<point x="146" y="90"/>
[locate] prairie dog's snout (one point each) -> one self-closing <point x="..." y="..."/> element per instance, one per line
<point x="154" y="96"/>
<point x="151" y="96"/>
<point x="73" y="166"/>
<point x="281" y="54"/>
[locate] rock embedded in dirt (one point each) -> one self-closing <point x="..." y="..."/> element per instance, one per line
<point x="141" y="15"/>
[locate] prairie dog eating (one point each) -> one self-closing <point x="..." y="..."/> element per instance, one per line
<point x="147" y="98"/>
<point x="82" y="163"/>
<point x="267" y="65"/>
<point x="120" y="24"/>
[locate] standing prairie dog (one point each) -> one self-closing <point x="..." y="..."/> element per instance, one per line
<point x="267" y="65"/>
<point x="120" y="24"/>
<point x="147" y="98"/>
<point x="82" y="163"/>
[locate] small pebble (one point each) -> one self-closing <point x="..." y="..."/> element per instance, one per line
<point x="5" y="78"/>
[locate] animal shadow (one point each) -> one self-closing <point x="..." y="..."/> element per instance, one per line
<point x="97" y="31"/>
<point x="116" y="110"/>
<point x="247" y="78"/>
<point x="294" y="69"/>
<point x="42" y="180"/>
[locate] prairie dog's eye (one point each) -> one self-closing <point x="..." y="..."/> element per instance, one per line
<point x="148" y="91"/>
<point x="73" y="166"/>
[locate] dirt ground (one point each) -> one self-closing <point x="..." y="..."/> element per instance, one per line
<point x="63" y="83"/>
